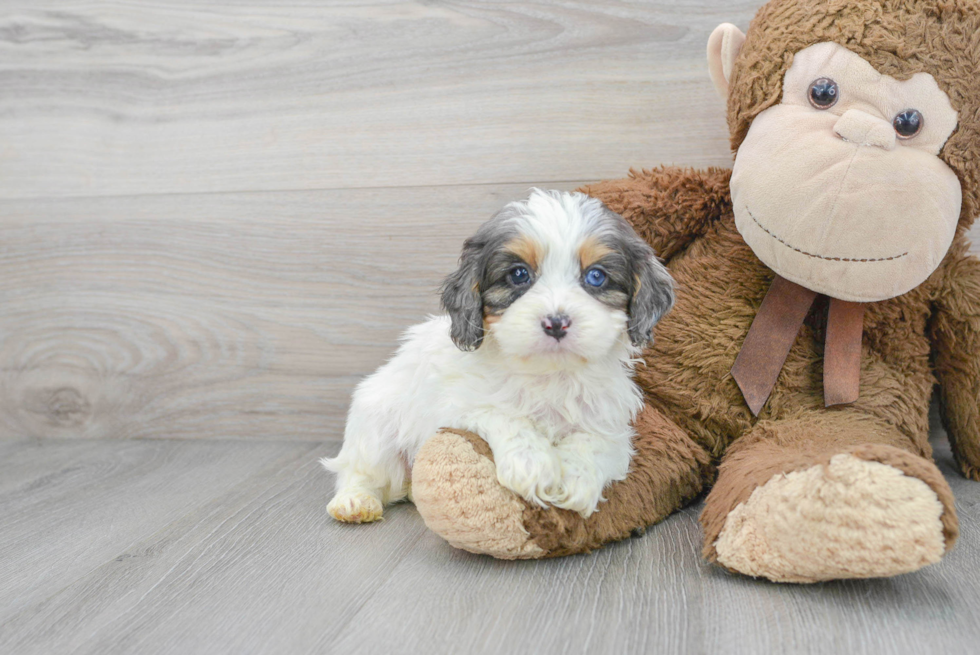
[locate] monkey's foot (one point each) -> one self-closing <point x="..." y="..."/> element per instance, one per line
<point x="456" y="491"/>
<point x="850" y="518"/>
<point x="455" y="488"/>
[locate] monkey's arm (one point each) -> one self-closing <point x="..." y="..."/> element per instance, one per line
<point x="668" y="206"/>
<point x="956" y="345"/>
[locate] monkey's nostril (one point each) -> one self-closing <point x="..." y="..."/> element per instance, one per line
<point x="556" y="325"/>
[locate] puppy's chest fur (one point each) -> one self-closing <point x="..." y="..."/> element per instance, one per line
<point x="600" y="400"/>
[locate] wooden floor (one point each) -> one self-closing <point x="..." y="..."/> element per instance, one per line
<point x="216" y="216"/>
<point x="209" y="546"/>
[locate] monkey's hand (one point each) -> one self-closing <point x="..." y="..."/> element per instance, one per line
<point x="956" y="346"/>
<point x="668" y="206"/>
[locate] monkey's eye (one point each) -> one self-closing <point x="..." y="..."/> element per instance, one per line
<point x="595" y="277"/>
<point x="908" y="123"/>
<point x="519" y="275"/>
<point x="823" y="93"/>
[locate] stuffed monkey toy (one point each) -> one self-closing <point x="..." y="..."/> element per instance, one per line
<point x="824" y="288"/>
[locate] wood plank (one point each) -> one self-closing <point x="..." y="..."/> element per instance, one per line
<point x="179" y="97"/>
<point x="78" y="504"/>
<point x="283" y="574"/>
<point x="253" y="314"/>
<point x="639" y="596"/>
<point x="249" y="315"/>
<point x="261" y="569"/>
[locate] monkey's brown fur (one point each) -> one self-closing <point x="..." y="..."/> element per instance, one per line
<point x="696" y="414"/>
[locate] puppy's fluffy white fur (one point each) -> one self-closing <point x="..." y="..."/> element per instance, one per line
<point x="555" y="405"/>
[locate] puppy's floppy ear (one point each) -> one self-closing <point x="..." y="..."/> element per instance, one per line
<point x="653" y="293"/>
<point x="461" y="299"/>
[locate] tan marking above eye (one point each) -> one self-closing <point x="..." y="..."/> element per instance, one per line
<point x="489" y="319"/>
<point x="527" y="249"/>
<point x="592" y="251"/>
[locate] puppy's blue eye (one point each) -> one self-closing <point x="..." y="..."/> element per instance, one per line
<point x="520" y="275"/>
<point x="595" y="277"/>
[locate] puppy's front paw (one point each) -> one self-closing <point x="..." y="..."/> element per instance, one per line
<point x="532" y="473"/>
<point x="355" y="507"/>
<point x="580" y="484"/>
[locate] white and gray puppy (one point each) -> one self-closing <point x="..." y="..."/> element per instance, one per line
<point x="553" y="299"/>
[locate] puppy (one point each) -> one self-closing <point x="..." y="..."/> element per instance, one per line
<point x="553" y="299"/>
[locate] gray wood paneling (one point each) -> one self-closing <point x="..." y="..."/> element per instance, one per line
<point x="177" y="97"/>
<point x="171" y="295"/>
<point x="243" y="315"/>
<point x="248" y="315"/>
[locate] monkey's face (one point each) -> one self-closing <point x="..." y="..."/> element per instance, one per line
<point x="840" y="187"/>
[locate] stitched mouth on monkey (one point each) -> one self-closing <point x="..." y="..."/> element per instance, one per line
<point x="748" y="210"/>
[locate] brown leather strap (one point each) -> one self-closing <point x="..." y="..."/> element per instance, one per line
<point x="842" y="352"/>
<point x="770" y="337"/>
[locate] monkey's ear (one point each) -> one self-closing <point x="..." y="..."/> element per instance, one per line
<point x="723" y="46"/>
<point x="462" y="301"/>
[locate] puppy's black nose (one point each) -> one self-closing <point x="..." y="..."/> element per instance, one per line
<point x="556" y="326"/>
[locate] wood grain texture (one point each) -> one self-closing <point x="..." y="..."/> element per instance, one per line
<point x="68" y="507"/>
<point x="239" y="315"/>
<point x="145" y="296"/>
<point x="246" y="315"/>
<point x="258" y="567"/>
<point x="177" y="97"/>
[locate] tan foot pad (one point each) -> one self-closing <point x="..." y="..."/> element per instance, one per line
<point x="850" y="519"/>
<point x="456" y="491"/>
